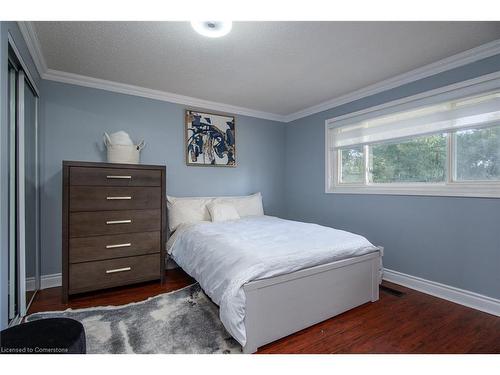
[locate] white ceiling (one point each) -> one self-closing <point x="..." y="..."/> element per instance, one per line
<point x="275" y="67"/>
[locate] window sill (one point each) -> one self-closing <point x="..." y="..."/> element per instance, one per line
<point x="490" y="190"/>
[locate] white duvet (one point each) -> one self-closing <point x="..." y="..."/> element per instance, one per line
<point x="223" y="256"/>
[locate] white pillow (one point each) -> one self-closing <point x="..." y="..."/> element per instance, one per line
<point x="190" y="210"/>
<point x="222" y="211"/>
<point x="187" y="211"/>
<point x="250" y="205"/>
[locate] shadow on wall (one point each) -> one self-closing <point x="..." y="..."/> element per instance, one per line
<point x="51" y="224"/>
<point x="101" y="150"/>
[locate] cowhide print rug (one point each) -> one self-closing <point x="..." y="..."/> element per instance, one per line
<point x="183" y="321"/>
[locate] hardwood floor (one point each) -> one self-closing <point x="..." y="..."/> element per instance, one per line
<point x="51" y="299"/>
<point x="412" y="323"/>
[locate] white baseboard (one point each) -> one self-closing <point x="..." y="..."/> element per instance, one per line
<point x="450" y="293"/>
<point x="51" y="281"/>
<point x="46" y="281"/>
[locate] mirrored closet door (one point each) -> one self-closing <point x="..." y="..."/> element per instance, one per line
<point x="24" y="262"/>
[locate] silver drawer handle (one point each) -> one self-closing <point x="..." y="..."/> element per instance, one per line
<point x="118" y="222"/>
<point x="119" y="177"/>
<point x="118" y="198"/>
<point x="118" y="245"/>
<point x="119" y="270"/>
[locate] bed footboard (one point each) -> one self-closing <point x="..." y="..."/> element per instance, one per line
<point x="279" y="306"/>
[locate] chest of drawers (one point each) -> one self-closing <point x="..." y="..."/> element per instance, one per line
<point x="114" y="221"/>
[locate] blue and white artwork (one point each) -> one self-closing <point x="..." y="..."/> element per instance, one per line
<point x="210" y="139"/>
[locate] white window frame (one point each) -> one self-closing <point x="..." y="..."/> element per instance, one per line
<point x="450" y="187"/>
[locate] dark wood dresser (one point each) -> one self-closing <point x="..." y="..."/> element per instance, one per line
<point x="114" y="225"/>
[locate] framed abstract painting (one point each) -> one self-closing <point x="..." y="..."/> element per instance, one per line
<point x="210" y="139"/>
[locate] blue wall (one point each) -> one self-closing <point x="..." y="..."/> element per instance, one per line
<point x="7" y="28"/>
<point x="454" y="241"/>
<point x="74" y="119"/>
<point x="451" y="240"/>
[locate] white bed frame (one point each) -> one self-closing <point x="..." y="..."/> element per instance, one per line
<point x="279" y="306"/>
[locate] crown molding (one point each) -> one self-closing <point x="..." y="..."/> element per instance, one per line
<point x="460" y="59"/>
<point x="97" y="83"/>
<point x="29" y="34"/>
<point x="455" y="61"/>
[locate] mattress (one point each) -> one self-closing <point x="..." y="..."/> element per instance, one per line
<point x="223" y="256"/>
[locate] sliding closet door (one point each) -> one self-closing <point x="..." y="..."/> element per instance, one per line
<point x="21" y="213"/>
<point x="13" y="253"/>
<point x="24" y="259"/>
<point x="30" y="192"/>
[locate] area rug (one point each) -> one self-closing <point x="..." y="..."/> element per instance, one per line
<point x="183" y="321"/>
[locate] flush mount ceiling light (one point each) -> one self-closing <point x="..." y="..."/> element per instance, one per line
<point x="212" y="29"/>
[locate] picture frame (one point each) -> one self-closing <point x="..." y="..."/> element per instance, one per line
<point x="210" y="139"/>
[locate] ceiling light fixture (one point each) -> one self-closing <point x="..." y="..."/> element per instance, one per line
<point x="212" y="29"/>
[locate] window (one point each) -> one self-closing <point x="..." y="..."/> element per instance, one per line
<point x="447" y="147"/>
<point x="352" y="166"/>
<point x="478" y="154"/>
<point x="421" y="159"/>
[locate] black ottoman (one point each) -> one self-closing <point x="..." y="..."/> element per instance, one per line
<point x="44" y="336"/>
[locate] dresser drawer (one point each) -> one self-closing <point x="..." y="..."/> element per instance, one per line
<point x="89" y="198"/>
<point x="82" y="224"/>
<point x="92" y="176"/>
<point x="108" y="273"/>
<point x="85" y="249"/>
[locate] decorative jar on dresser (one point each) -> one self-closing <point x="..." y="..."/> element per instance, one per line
<point x="113" y="227"/>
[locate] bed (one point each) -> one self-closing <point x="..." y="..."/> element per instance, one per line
<point x="272" y="277"/>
